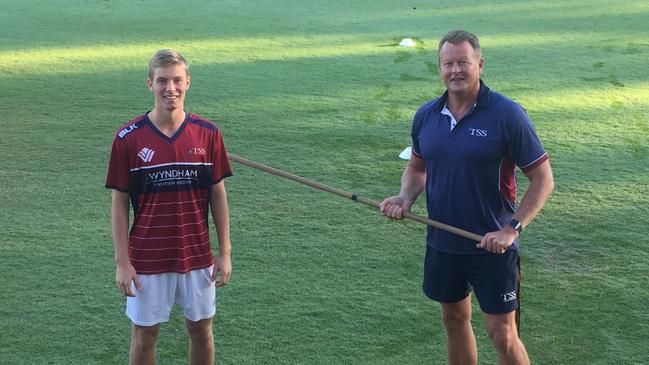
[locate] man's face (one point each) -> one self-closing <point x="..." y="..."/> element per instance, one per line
<point x="169" y="85"/>
<point x="460" y="67"/>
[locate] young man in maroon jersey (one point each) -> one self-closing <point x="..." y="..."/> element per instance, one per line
<point x="170" y="164"/>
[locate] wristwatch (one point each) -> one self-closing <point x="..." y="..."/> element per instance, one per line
<point x="516" y="225"/>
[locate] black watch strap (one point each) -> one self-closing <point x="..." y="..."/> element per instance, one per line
<point x="516" y="225"/>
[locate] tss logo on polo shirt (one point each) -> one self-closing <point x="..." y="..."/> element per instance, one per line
<point x="478" y="132"/>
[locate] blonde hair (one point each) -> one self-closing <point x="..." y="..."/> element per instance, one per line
<point x="167" y="57"/>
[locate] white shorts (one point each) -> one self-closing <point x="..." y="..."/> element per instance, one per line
<point x="194" y="291"/>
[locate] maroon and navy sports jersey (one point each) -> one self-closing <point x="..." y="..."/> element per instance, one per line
<point x="169" y="181"/>
<point x="470" y="170"/>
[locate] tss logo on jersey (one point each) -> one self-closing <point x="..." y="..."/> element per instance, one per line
<point x="197" y="151"/>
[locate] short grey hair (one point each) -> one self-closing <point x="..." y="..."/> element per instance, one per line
<point x="459" y="36"/>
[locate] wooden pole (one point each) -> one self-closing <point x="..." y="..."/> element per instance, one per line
<point x="348" y="195"/>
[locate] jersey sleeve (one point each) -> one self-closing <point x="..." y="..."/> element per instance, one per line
<point x="524" y="146"/>
<point x="118" y="167"/>
<point x="416" y="127"/>
<point x="221" y="166"/>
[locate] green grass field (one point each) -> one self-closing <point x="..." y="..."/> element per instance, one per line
<point x="318" y="88"/>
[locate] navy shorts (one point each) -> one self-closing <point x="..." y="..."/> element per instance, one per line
<point x="494" y="278"/>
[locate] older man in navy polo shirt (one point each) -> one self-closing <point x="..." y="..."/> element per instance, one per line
<point x="466" y="145"/>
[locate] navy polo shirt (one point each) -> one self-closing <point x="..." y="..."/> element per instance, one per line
<point x="470" y="170"/>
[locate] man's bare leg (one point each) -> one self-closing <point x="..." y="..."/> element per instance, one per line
<point x="460" y="340"/>
<point x="143" y="341"/>
<point x="201" y="342"/>
<point x="504" y="336"/>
